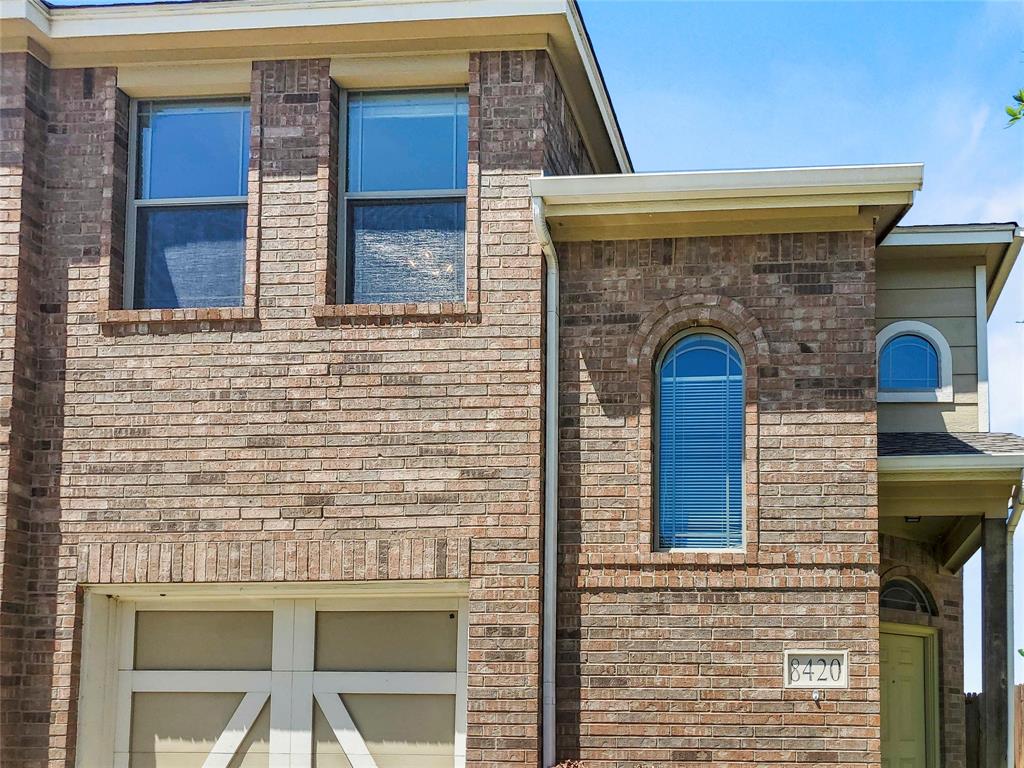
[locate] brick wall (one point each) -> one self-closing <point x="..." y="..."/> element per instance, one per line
<point x="902" y="558"/>
<point x="26" y="609"/>
<point x="676" y="658"/>
<point x="286" y="444"/>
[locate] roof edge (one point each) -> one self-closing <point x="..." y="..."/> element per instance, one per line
<point x="737" y="182"/>
<point x="950" y="462"/>
<point x="730" y="202"/>
<point x="74" y="35"/>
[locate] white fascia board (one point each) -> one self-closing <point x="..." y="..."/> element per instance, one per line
<point x="1001" y="273"/>
<point x="593" y="71"/>
<point x="753" y="183"/>
<point x="969" y="234"/>
<point x="230" y="15"/>
<point x="950" y="463"/>
<point x="34" y="12"/>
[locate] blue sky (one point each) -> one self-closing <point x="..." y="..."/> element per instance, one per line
<point x="701" y="85"/>
<point x="729" y="85"/>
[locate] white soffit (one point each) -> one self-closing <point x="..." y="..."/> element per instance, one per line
<point x="284" y="29"/>
<point x="833" y="198"/>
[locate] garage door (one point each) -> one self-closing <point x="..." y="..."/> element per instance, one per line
<point x="289" y="683"/>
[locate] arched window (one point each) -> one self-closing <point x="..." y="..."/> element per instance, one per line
<point x="908" y="363"/>
<point x="915" y="364"/>
<point x="700" y="444"/>
<point x="905" y="595"/>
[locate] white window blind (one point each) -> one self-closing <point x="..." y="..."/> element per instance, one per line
<point x="700" y="445"/>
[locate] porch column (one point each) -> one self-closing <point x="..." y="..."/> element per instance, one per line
<point x="994" y="638"/>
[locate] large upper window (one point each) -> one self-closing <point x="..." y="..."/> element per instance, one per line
<point x="908" y="362"/>
<point x="187" y="207"/>
<point x="700" y="444"/>
<point x="405" y="198"/>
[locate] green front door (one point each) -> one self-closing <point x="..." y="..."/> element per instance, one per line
<point x="904" y="702"/>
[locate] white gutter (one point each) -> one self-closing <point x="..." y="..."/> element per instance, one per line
<point x="950" y="462"/>
<point x="746" y="183"/>
<point x="550" y="595"/>
<point x="1017" y="509"/>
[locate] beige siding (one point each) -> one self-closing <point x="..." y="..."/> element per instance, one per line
<point x="940" y="293"/>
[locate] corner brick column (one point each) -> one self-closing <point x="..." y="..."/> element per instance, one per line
<point x="25" y="654"/>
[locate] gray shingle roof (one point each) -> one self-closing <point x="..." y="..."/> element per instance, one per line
<point x="948" y="443"/>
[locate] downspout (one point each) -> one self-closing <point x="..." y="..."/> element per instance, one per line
<point x="1016" y="510"/>
<point x="550" y="595"/>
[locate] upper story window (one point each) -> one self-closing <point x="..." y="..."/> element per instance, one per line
<point x="914" y="364"/>
<point x="187" y="208"/>
<point x="700" y="444"/>
<point x="405" y="197"/>
<point x="908" y="362"/>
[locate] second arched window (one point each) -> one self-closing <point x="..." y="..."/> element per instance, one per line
<point x="699" y="457"/>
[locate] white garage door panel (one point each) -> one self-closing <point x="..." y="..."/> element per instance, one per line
<point x="386" y="641"/>
<point x="180" y="730"/>
<point x="220" y="640"/>
<point x="215" y="688"/>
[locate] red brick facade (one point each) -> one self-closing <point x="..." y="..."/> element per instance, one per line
<point x="295" y="440"/>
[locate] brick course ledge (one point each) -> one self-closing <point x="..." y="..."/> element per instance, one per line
<point x="382" y="312"/>
<point x="154" y="321"/>
<point x="185" y="315"/>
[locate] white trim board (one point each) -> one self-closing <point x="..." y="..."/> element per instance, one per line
<point x="981" y="325"/>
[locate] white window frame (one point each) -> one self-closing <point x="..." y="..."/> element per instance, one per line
<point x="656" y="431"/>
<point x="342" y="249"/>
<point x="292" y="684"/>
<point x="941" y="394"/>
<point x="134" y="203"/>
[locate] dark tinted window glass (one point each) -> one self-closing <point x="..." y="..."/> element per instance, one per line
<point x="190" y="256"/>
<point x="407" y="252"/>
<point x="413" y="140"/>
<point x="192" y="150"/>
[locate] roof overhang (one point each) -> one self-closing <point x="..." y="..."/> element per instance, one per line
<point x="941" y="500"/>
<point x="944" y="466"/>
<point x="995" y="245"/>
<point x="247" y="30"/>
<point x="697" y="203"/>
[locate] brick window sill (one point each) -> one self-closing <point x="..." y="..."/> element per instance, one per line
<point x="671" y="559"/>
<point x="189" y="315"/>
<point x="383" y="312"/>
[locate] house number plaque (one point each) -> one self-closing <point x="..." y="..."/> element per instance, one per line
<point x="816" y="669"/>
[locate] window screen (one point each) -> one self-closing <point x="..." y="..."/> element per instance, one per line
<point x="700" y="445"/>
<point x="908" y="363"/>
<point x="405" y="201"/>
<point x="187" y="214"/>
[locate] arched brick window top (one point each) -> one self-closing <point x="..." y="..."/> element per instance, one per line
<point x="667" y="319"/>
